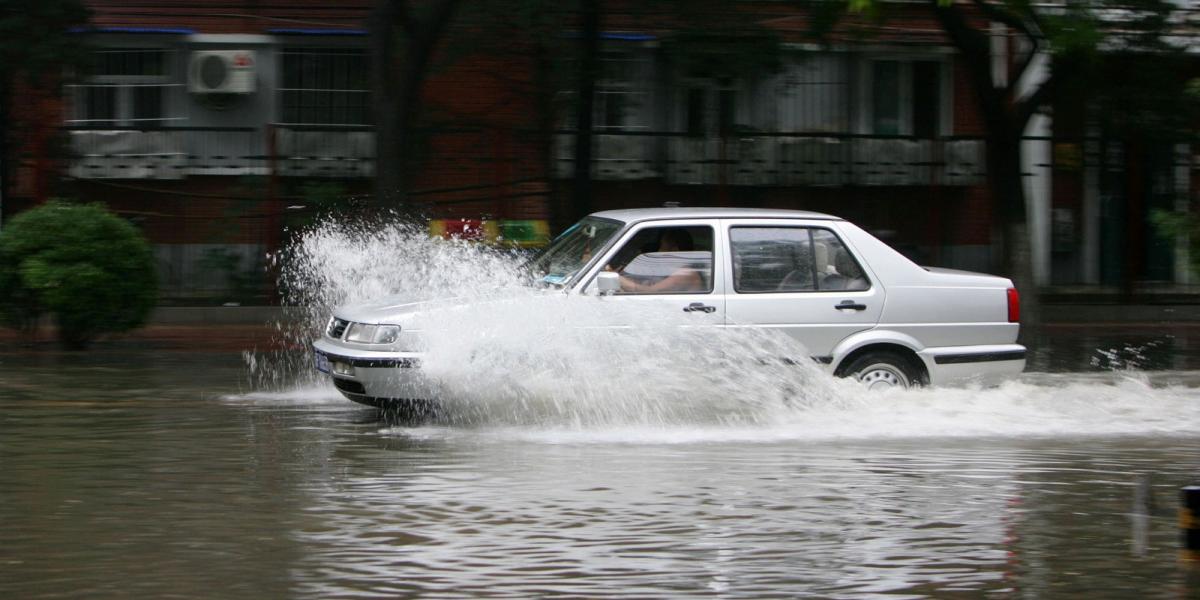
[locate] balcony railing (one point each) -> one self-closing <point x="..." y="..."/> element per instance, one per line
<point x="177" y="152"/>
<point x="761" y="159"/>
<point x="331" y="151"/>
<point x="779" y="159"/>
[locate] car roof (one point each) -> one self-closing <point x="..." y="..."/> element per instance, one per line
<point x="634" y="215"/>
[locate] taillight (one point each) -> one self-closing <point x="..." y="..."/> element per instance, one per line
<point x="1014" y="306"/>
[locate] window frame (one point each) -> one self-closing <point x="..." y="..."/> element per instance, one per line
<point x="816" y="93"/>
<point x="624" y="83"/>
<point x="125" y="86"/>
<point x="587" y="284"/>
<point x="712" y="267"/>
<point x="714" y="119"/>
<point x="865" y="121"/>
<point x="282" y="90"/>
<point x="733" y="265"/>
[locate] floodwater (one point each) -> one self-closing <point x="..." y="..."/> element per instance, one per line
<point x="574" y="462"/>
<point x="135" y="473"/>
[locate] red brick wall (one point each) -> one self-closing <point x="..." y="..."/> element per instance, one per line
<point x="967" y="120"/>
<point x="231" y="16"/>
<point x="480" y="170"/>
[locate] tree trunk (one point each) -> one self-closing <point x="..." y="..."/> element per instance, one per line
<point x="1004" y="122"/>
<point x="385" y="93"/>
<point x="5" y="131"/>
<point x="543" y="67"/>
<point x="398" y="83"/>
<point x="1007" y="185"/>
<point x="589" y="66"/>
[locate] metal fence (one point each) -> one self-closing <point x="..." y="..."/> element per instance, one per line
<point x="779" y="159"/>
<point x="177" y="152"/>
<point x="762" y="159"/>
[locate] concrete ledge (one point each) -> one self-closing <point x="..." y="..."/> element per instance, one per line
<point x="220" y="315"/>
<point x="1120" y="313"/>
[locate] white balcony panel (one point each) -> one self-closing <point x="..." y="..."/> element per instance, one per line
<point x="753" y="161"/>
<point x="891" y="162"/>
<point x="614" y="157"/>
<point x="693" y="160"/>
<point x="812" y="161"/>
<point x="224" y="152"/>
<point x="325" y="153"/>
<point x="964" y="162"/>
<point x="127" y="154"/>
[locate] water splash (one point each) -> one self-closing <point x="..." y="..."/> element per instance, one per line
<point x="1128" y="357"/>
<point x="544" y="364"/>
<point x="543" y="359"/>
<point x="338" y="262"/>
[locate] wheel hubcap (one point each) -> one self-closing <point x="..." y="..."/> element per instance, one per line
<point x="882" y="377"/>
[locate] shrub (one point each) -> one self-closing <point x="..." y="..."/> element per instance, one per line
<point x="91" y="270"/>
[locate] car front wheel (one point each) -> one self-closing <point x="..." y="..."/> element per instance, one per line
<point x="883" y="370"/>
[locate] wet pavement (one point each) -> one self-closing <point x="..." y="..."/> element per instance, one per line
<point x="157" y="465"/>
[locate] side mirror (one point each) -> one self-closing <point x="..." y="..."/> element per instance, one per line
<point x="608" y="283"/>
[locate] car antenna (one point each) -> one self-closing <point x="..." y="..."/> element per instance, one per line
<point x="671" y="204"/>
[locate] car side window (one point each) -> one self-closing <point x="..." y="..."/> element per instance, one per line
<point x="666" y="260"/>
<point x="792" y="259"/>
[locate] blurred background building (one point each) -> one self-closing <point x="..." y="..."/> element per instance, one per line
<point x="218" y="126"/>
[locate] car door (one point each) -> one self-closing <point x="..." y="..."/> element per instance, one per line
<point x="800" y="277"/>
<point x="684" y="283"/>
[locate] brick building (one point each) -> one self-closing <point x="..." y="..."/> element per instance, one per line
<point x="215" y="124"/>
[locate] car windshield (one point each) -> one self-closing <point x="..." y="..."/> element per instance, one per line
<point x="571" y="250"/>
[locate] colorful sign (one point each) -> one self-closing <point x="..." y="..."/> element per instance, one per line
<point x="522" y="233"/>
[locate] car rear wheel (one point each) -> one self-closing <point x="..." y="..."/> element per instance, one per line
<point x="883" y="370"/>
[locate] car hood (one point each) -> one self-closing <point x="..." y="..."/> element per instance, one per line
<point x="399" y="310"/>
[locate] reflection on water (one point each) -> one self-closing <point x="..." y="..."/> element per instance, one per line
<point x="142" y="475"/>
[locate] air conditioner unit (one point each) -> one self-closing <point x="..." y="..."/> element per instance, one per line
<point x="221" y="72"/>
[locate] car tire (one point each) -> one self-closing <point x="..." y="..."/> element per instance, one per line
<point x="883" y="370"/>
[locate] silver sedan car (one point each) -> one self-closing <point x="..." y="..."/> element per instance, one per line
<point x="860" y="308"/>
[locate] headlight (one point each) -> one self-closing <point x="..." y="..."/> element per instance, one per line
<point x="373" y="334"/>
<point x="386" y="334"/>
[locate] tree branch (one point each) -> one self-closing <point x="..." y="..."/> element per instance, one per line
<point x="974" y="48"/>
<point x="1028" y="26"/>
<point x="1025" y="108"/>
<point x="995" y="13"/>
<point x="404" y="13"/>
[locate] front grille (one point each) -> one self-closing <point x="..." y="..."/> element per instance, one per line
<point x="337" y="327"/>
<point x="347" y="385"/>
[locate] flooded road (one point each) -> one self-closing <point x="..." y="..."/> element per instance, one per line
<point x="133" y="473"/>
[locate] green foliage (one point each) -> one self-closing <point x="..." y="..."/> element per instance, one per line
<point x="91" y="270"/>
<point x="1173" y="224"/>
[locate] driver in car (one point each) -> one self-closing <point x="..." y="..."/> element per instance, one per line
<point x="685" y="278"/>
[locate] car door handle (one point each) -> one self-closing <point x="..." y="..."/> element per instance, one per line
<point x="699" y="307"/>
<point x="850" y="305"/>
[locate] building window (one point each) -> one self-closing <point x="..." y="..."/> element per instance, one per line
<point x="325" y="86"/>
<point x="927" y="93"/>
<point x="619" y="96"/>
<point x="906" y="98"/>
<point x="126" y="87"/>
<point x="710" y="110"/>
<point x="814" y="95"/>
<point x="885" y="96"/>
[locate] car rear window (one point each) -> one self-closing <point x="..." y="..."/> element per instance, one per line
<point x="792" y="259"/>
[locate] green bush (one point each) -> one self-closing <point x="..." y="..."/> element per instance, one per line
<point x="91" y="270"/>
